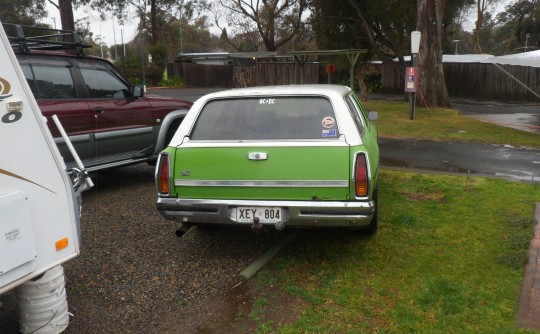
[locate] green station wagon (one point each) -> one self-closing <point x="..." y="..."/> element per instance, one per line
<point x="282" y="156"/>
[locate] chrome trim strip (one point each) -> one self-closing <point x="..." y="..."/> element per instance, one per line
<point x="334" y="142"/>
<point x="195" y="203"/>
<point x="86" y="138"/>
<point x="124" y="133"/>
<point x="263" y="184"/>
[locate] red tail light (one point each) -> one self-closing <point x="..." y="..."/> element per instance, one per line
<point x="361" y="178"/>
<point x="162" y="176"/>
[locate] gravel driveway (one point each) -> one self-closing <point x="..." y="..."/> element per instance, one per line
<point x="134" y="275"/>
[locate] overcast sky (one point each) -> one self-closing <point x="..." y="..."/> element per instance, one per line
<point x="108" y="31"/>
<point x="101" y="28"/>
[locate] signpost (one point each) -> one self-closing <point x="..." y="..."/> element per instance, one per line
<point x="330" y="69"/>
<point x="412" y="74"/>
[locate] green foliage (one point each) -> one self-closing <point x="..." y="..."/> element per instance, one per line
<point x="131" y="68"/>
<point x="174" y="81"/>
<point x="514" y="23"/>
<point x="159" y="62"/>
<point x="28" y="12"/>
<point x="337" y="25"/>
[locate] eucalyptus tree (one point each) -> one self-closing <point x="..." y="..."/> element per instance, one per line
<point x="482" y="9"/>
<point x="149" y="12"/>
<point x="272" y="23"/>
<point x="28" y="12"/>
<point x="518" y="27"/>
<point x="384" y="27"/>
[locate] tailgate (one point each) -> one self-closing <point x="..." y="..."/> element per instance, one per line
<point x="280" y="172"/>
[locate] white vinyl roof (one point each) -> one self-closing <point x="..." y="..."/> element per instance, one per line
<point x="466" y="58"/>
<point x="531" y="58"/>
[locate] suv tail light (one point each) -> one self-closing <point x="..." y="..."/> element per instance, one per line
<point x="163" y="174"/>
<point x="361" y="179"/>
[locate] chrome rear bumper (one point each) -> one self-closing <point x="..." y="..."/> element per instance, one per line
<point x="297" y="213"/>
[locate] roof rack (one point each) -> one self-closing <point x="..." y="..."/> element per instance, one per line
<point x="27" y="38"/>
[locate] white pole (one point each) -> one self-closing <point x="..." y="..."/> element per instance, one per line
<point x="71" y="148"/>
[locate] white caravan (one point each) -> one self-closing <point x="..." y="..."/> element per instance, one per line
<point x="39" y="211"/>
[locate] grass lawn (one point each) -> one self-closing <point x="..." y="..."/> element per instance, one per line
<point x="444" y="125"/>
<point x="449" y="255"/>
<point x="448" y="258"/>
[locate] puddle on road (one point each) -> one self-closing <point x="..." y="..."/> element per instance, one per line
<point x="444" y="166"/>
<point x="389" y="162"/>
<point x="519" y="121"/>
<point x="515" y="175"/>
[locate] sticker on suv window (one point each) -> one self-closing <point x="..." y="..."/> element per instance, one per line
<point x="328" y="122"/>
<point x="329" y="133"/>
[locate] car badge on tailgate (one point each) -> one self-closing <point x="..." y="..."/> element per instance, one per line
<point x="257" y="156"/>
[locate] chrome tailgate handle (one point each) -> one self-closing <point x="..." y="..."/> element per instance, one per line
<point x="258" y="156"/>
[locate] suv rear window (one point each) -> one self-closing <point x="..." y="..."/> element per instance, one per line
<point x="271" y="117"/>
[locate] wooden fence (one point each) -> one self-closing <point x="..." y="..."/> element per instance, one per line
<point x="228" y="76"/>
<point x="476" y="80"/>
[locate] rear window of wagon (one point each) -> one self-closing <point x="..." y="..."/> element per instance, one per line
<point x="266" y="118"/>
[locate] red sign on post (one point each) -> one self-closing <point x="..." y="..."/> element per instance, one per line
<point x="412" y="78"/>
<point x="331" y="68"/>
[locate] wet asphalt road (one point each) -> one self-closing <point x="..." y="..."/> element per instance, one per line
<point x="482" y="108"/>
<point x="479" y="159"/>
<point x="524" y="116"/>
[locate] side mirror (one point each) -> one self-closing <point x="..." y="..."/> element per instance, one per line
<point x="137" y="91"/>
<point x="373" y="115"/>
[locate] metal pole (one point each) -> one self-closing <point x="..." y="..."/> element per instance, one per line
<point x="412" y="96"/>
<point x="142" y="62"/>
<point x="114" y="35"/>
<point x="124" y="47"/>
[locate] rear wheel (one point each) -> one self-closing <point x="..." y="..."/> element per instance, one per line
<point x="371" y="229"/>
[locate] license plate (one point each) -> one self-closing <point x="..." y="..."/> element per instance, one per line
<point x="268" y="215"/>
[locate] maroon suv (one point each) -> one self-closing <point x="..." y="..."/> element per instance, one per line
<point x="110" y="122"/>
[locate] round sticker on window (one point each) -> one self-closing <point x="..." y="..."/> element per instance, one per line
<point x="328" y="122"/>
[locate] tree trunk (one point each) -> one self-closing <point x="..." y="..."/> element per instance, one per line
<point x="66" y="14"/>
<point x="433" y="90"/>
<point x="478" y="26"/>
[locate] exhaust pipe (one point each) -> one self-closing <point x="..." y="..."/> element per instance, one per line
<point x="182" y="230"/>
